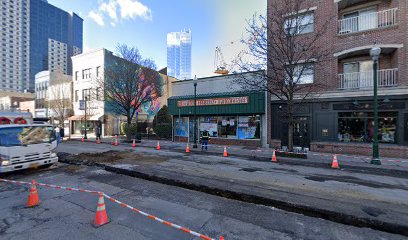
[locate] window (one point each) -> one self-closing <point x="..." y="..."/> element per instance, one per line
<point x="86" y="73"/>
<point x="181" y="127"/>
<point x="76" y="96"/>
<point x="358" y="74"/>
<point x="359" y="127"/>
<point x="98" y="71"/>
<point x="300" y="24"/>
<point x="359" y="20"/>
<point x="303" y="73"/>
<point x="209" y="124"/>
<point x="98" y="93"/>
<point x="86" y="93"/>
<point x="23" y="136"/>
<point x="249" y="127"/>
<point x="227" y="127"/>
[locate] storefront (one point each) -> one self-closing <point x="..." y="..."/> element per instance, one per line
<point x="347" y="126"/>
<point x="230" y="117"/>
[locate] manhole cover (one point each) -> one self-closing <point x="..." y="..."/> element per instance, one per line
<point x="250" y="169"/>
<point x="375" y="212"/>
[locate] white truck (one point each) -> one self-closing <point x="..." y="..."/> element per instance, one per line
<point x="24" y="144"/>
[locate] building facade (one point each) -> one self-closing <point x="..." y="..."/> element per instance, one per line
<point x="230" y="115"/>
<point x="35" y="36"/>
<point x="88" y="69"/>
<point x="179" y="54"/>
<point x="340" y="116"/>
<point x="53" y="95"/>
<point x="10" y="101"/>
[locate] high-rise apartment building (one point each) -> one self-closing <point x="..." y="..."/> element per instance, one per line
<point x="179" y="54"/>
<point x="35" y="36"/>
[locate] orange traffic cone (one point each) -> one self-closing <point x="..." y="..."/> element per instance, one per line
<point x="134" y="143"/>
<point x="116" y="141"/>
<point x="82" y="139"/>
<point x="98" y="141"/>
<point x="33" y="199"/>
<point x="158" y="146"/>
<point x="101" y="218"/>
<point x="225" y="151"/>
<point x="335" y="163"/>
<point x="187" y="148"/>
<point x="274" y="156"/>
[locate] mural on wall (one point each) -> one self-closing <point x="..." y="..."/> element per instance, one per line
<point x="153" y="107"/>
<point x="149" y="108"/>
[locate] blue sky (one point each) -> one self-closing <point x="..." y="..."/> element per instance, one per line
<point x="145" y="24"/>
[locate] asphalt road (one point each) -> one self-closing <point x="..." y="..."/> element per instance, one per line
<point x="68" y="215"/>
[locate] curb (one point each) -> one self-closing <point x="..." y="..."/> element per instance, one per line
<point x="304" y="162"/>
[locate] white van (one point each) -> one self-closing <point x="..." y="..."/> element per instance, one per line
<point x="26" y="146"/>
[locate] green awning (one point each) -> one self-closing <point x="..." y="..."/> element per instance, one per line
<point x="230" y="103"/>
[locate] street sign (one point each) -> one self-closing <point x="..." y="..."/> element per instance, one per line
<point x="81" y="104"/>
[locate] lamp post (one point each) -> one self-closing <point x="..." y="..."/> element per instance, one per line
<point x="195" y="112"/>
<point x="375" y="55"/>
<point x="85" y="136"/>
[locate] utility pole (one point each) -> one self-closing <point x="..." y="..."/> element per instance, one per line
<point x="375" y="54"/>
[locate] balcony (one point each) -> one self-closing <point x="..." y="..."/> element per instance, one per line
<point x="368" y="21"/>
<point x="358" y="80"/>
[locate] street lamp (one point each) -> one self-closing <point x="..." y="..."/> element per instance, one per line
<point x="195" y="112"/>
<point x="375" y="55"/>
<point x="85" y="136"/>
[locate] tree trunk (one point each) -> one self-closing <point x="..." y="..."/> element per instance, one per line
<point x="127" y="130"/>
<point x="290" y="136"/>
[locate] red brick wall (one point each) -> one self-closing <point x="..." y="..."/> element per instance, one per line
<point x="225" y="141"/>
<point x="365" y="149"/>
<point x="327" y="10"/>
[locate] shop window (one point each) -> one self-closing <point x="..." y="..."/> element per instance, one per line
<point x="210" y="124"/>
<point x="181" y="127"/>
<point x="249" y="127"/>
<point x="359" y="127"/>
<point x="227" y="127"/>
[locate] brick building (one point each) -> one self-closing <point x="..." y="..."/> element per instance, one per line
<point x="340" y="117"/>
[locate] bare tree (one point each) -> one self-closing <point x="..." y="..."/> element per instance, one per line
<point x="60" y="99"/>
<point x="283" y="51"/>
<point x="129" y="82"/>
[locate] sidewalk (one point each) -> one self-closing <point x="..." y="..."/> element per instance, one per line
<point x="265" y="154"/>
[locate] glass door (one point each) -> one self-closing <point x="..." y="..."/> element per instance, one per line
<point x="301" y="136"/>
<point x="366" y="73"/>
<point x="351" y="75"/>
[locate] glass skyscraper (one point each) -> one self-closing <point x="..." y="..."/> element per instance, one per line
<point x="35" y="36"/>
<point x="179" y="54"/>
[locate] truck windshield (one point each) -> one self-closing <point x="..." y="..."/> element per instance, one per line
<point x="22" y="136"/>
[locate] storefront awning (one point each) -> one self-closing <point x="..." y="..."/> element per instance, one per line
<point x="233" y="103"/>
<point x="76" y="118"/>
<point x="89" y="118"/>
